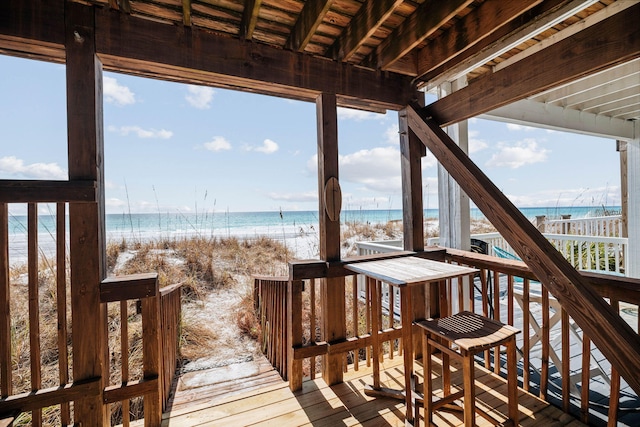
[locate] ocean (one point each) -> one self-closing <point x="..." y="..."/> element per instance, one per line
<point x="274" y="224"/>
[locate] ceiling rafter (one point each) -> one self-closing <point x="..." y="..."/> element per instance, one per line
<point x="427" y="18"/>
<point x="364" y="24"/>
<point x="538" y="19"/>
<point x="486" y="19"/>
<point x="186" y="12"/>
<point x="308" y="21"/>
<point x="614" y="40"/>
<point x="249" y="18"/>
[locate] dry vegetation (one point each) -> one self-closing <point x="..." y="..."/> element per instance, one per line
<point x="218" y="326"/>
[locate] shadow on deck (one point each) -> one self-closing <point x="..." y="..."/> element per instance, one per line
<point x="254" y="394"/>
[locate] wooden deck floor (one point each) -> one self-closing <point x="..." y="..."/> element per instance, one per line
<point x="259" y="397"/>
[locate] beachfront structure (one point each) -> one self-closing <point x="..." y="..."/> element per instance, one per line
<point x="561" y="64"/>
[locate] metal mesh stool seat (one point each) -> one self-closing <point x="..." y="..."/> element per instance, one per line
<point x="462" y="336"/>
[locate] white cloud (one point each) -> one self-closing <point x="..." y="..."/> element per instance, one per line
<point x="521" y="153"/>
<point x="14" y="167"/>
<point x="377" y="169"/>
<point x="140" y="132"/>
<point x="115" y="93"/>
<point x="515" y="127"/>
<point x="218" y="143"/>
<point x="308" y="196"/>
<point x="392" y="134"/>
<point x="267" y="147"/>
<point x="358" y="115"/>
<point x="598" y="196"/>
<point x="199" y="97"/>
<point x="476" y="144"/>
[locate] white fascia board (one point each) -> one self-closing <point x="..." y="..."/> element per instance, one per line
<point x="538" y="114"/>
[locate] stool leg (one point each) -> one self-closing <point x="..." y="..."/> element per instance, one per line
<point x="512" y="382"/>
<point x="428" y="384"/>
<point x="469" y="390"/>
<point x="446" y="370"/>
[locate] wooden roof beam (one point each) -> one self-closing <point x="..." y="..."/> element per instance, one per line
<point x="186" y="12"/>
<point x="308" y="21"/>
<point x="613" y="336"/>
<point x="249" y="18"/>
<point x="366" y="22"/>
<point x="471" y="29"/>
<point x="427" y="18"/>
<point x="612" y="41"/>
<point x="524" y="27"/>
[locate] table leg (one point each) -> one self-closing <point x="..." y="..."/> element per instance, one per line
<point x="407" y="344"/>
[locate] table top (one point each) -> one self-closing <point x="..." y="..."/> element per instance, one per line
<point x="406" y="271"/>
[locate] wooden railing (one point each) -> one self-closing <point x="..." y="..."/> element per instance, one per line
<point x="505" y="290"/>
<point x="36" y="400"/>
<point x="160" y="319"/>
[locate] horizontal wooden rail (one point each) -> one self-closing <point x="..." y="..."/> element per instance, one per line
<point x="129" y="287"/>
<point x="349" y="344"/>
<point x="130" y="389"/>
<point x="29" y="401"/>
<point x="28" y="191"/>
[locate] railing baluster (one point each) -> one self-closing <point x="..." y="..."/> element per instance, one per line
<point x="34" y="305"/>
<point x="496" y="316"/>
<point x="312" y="297"/>
<point x="614" y="395"/>
<point x="526" y="346"/>
<point x="586" y="374"/>
<point x="124" y="351"/>
<point x="354" y="319"/>
<point x="544" y="372"/>
<point x="565" y="371"/>
<point x="61" y="305"/>
<point x="6" y="382"/>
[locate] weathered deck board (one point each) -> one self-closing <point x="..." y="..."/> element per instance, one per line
<point x="344" y="404"/>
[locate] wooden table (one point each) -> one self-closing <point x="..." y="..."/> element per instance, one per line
<point x="402" y="273"/>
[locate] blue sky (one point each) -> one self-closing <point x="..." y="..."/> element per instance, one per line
<point x="171" y="147"/>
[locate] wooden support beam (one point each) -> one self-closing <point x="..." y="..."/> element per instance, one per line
<point x="427" y="18"/>
<point x="487" y="18"/>
<point x="152" y="356"/>
<point x="364" y="24"/>
<point x="613" y="336"/>
<point x="332" y="289"/>
<point x="28" y="191"/>
<point x="411" y="152"/>
<point x="143" y="47"/>
<point x="249" y="18"/>
<point x="86" y="220"/>
<point x="609" y="42"/>
<point x="309" y="19"/>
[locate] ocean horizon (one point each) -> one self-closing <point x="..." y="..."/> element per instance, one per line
<point x="281" y="225"/>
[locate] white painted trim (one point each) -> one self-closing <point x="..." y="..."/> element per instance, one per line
<point x="633" y="219"/>
<point x="538" y="114"/>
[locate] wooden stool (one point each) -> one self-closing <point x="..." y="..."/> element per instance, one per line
<point x="470" y="333"/>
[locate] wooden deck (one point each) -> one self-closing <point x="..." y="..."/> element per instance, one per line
<point x="258" y="396"/>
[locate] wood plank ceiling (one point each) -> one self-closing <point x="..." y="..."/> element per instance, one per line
<point x="430" y="40"/>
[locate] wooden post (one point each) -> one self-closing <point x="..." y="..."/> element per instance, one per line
<point x="151" y="354"/>
<point x="540" y="223"/>
<point x="333" y="289"/>
<point x="86" y="220"/>
<point x="412" y="151"/>
<point x="632" y="257"/>
<point x="294" y="333"/>
<point x="624" y="186"/>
